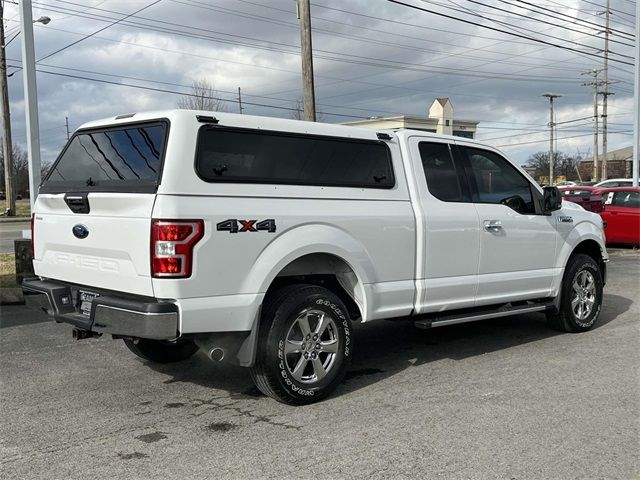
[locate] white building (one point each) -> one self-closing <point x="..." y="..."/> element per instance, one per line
<point x="439" y="119"/>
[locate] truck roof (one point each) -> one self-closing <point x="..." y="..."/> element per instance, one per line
<point x="246" y="121"/>
<point x="266" y="123"/>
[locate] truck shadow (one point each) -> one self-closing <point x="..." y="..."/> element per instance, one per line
<point x="386" y="348"/>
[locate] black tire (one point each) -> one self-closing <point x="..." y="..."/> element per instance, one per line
<point x="580" y="270"/>
<point x="322" y="360"/>
<point x="161" y="351"/>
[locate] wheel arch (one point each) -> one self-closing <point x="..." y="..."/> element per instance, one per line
<point x="310" y="253"/>
<point x="585" y="239"/>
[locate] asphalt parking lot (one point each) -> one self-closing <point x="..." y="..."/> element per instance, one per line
<point x="504" y="399"/>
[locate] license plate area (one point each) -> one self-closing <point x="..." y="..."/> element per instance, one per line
<point x="85" y="299"/>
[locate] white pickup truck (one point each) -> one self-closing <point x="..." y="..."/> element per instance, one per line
<point x="260" y="240"/>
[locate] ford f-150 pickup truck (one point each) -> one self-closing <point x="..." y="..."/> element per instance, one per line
<point x="260" y="240"/>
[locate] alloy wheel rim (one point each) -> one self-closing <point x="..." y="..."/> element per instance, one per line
<point x="311" y="346"/>
<point x="583" y="296"/>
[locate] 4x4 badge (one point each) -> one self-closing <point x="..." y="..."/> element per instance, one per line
<point x="80" y="231"/>
<point x="233" y="225"/>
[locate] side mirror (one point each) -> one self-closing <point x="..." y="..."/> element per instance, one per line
<point x="552" y="200"/>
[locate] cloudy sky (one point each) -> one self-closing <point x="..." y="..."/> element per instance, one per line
<point x="371" y="58"/>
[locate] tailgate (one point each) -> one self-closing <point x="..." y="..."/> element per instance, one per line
<point x="93" y="214"/>
<point x="114" y="255"/>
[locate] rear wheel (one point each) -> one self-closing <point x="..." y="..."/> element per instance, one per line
<point x="305" y="345"/>
<point x="581" y="296"/>
<point x="162" y="351"/>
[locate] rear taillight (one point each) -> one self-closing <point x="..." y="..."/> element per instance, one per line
<point x="33" y="235"/>
<point x="172" y="243"/>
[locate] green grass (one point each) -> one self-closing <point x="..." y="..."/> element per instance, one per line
<point x="23" y="208"/>
<point x="8" y="270"/>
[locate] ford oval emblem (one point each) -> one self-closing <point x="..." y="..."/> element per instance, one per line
<point x="80" y="231"/>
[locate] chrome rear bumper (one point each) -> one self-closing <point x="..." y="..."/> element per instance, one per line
<point x="138" y="317"/>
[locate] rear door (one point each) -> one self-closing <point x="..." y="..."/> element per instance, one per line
<point x="448" y="233"/>
<point x="93" y="214"/>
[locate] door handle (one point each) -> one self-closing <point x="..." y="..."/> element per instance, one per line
<point x="492" y="225"/>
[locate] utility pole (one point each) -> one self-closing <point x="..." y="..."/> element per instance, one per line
<point x="605" y="94"/>
<point x="304" y="14"/>
<point x="595" y="83"/>
<point x="240" y="100"/>
<point x="636" y="103"/>
<point x="551" y="96"/>
<point x="31" y="99"/>
<point x="66" y="124"/>
<point x="7" y="147"/>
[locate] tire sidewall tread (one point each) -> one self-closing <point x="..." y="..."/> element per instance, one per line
<point x="270" y="372"/>
<point x="565" y="320"/>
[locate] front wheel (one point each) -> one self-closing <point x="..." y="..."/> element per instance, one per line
<point x="581" y="296"/>
<point x="305" y="345"/>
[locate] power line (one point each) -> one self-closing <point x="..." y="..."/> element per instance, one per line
<point x="540" y="20"/>
<point x="575" y="19"/>
<point x="509" y="25"/>
<point x="98" y="31"/>
<point x="546" y="140"/>
<point x="368" y="40"/>
<point x="503" y="31"/>
<point x="356" y="59"/>
<point x="173" y="92"/>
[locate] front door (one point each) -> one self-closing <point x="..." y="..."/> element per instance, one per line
<point x="517" y="242"/>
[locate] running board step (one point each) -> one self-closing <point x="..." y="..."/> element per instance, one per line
<point x="504" y="311"/>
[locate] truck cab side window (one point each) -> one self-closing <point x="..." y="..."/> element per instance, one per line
<point x="497" y="181"/>
<point x="440" y="172"/>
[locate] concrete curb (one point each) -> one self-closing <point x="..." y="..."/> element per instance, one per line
<point x="14" y="219"/>
<point x="10" y="296"/>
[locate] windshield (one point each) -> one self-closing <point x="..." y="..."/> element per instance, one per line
<point x="124" y="158"/>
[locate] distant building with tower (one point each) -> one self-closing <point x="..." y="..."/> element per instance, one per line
<point x="439" y="119"/>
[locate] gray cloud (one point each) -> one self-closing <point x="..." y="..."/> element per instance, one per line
<point x="379" y="59"/>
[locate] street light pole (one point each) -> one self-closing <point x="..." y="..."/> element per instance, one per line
<point x="7" y="147"/>
<point x="551" y="96"/>
<point x="30" y="99"/>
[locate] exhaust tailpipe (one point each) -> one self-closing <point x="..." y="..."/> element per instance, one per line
<point x="216" y="354"/>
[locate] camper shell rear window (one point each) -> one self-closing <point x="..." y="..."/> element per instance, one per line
<point x="120" y="158"/>
<point x="257" y="156"/>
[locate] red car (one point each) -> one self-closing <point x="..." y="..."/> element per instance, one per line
<point x="588" y="198"/>
<point x="621" y="214"/>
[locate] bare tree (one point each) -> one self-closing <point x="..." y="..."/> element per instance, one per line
<point x="298" y="111"/>
<point x="564" y="164"/>
<point x="203" y="96"/>
<point x="20" y="170"/>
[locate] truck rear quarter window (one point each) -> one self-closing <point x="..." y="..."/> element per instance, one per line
<point x="250" y="156"/>
<point x="118" y="158"/>
<point x="440" y="171"/>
